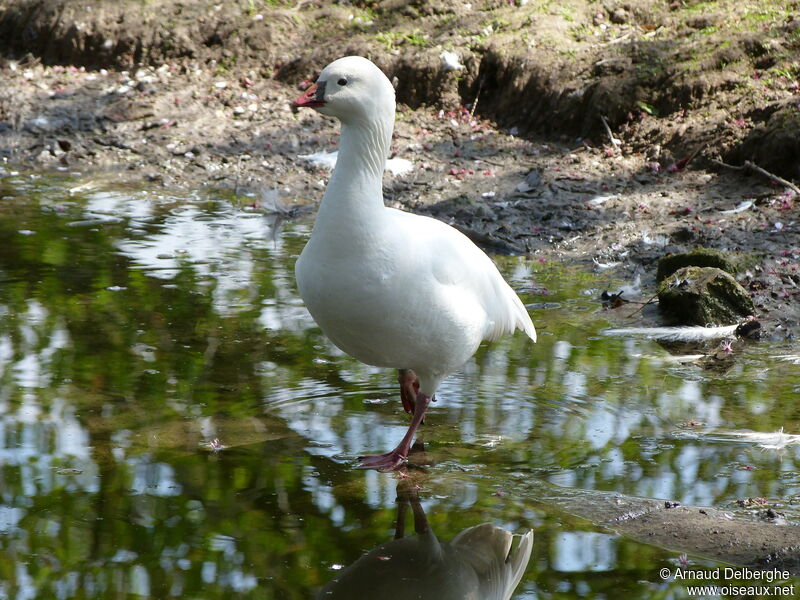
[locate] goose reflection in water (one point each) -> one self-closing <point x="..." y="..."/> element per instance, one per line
<point x="483" y="562"/>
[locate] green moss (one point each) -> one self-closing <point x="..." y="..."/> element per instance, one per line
<point x="702" y="7"/>
<point x="699" y="257"/>
<point x="390" y="39"/>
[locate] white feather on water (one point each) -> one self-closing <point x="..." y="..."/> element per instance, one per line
<point x="271" y="203"/>
<point x="675" y="334"/>
<point x="792" y="358"/>
<point x="671" y="359"/>
<point x="776" y="440"/>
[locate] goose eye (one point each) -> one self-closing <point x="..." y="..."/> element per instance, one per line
<point x="342" y="81"/>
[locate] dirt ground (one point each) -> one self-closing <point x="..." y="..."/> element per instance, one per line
<point x="509" y="145"/>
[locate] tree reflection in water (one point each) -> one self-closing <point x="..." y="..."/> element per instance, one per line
<point x="137" y="328"/>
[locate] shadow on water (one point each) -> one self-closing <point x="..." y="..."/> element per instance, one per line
<point x="172" y="423"/>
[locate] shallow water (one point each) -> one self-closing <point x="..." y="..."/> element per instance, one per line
<point x="173" y="424"/>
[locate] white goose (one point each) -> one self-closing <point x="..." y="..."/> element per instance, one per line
<point x="391" y="288"/>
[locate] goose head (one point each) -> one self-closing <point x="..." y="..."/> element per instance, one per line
<point x="353" y="90"/>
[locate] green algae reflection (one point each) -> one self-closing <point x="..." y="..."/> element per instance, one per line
<point x="173" y="425"/>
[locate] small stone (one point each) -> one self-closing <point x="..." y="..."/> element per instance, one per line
<point x="532" y="182"/>
<point x="619" y="16"/>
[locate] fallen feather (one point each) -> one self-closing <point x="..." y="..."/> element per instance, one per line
<point x="792" y="358"/>
<point x="599" y="200"/>
<point x="327" y="160"/>
<point x="658" y="240"/>
<point x="682" y="358"/>
<point x="773" y="441"/>
<point x="777" y="440"/>
<point x="741" y="207"/>
<point x="670" y="358"/>
<point x="633" y="289"/>
<point x="399" y="166"/>
<point x="450" y="61"/>
<point x="604" y="266"/>
<point x="271" y="202"/>
<point x="675" y="334"/>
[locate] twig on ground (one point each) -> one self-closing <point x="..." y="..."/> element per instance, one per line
<point x="751" y="166"/>
<point x="682" y="163"/>
<point x="621" y="38"/>
<point x="643" y="304"/>
<point x="653" y="33"/>
<point x="238" y="175"/>
<point x="478" y="95"/>
<point x="611" y="137"/>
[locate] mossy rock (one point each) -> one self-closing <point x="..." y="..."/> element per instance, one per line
<point x="699" y="257"/>
<point x="704" y="296"/>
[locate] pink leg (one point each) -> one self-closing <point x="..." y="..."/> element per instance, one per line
<point x="392" y="460"/>
<point x="409" y="388"/>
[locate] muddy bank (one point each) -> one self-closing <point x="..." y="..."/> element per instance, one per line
<point x="505" y="137"/>
<point x="757" y="538"/>
<point x="750" y="532"/>
<point x="720" y="77"/>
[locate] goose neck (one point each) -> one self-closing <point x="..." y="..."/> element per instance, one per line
<point x="356" y="185"/>
<point x="364" y="147"/>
